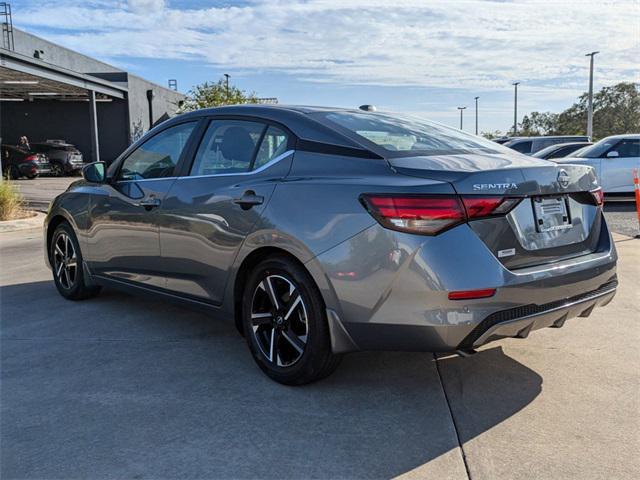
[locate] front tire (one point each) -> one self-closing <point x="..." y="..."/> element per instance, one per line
<point x="66" y="264"/>
<point x="285" y="323"/>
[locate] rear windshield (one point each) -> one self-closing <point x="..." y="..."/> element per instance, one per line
<point x="402" y="135"/>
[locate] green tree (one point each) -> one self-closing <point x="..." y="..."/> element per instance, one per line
<point x="492" y="135"/>
<point x="616" y="110"/>
<point x="210" y="94"/>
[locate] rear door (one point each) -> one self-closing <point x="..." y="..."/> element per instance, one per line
<point x="617" y="168"/>
<point x="123" y="239"/>
<point x="212" y="208"/>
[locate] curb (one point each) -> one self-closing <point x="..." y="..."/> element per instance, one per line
<point x="30" y="223"/>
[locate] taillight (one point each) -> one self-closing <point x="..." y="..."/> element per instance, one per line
<point x="432" y="214"/>
<point x="478" y="207"/>
<point x="598" y="196"/>
<point x="31" y="158"/>
<point x="425" y="214"/>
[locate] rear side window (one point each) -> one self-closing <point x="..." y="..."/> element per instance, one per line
<point x="273" y="144"/>
<point x="158" y="156"/>
<point x="228" y="146"/>
<point x="522" y="147"/>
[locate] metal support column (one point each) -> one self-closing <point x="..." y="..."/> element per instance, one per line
<point x="93" y="125"/>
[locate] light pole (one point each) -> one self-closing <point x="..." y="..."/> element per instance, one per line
<point x="590" y="107"/>
<point x="476" y="99"/>
<point x="461" y="109"/>
<point x="515" y="108"/>
<point x="226" y="76"/>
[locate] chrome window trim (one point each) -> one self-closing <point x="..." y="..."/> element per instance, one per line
<point x="270" y="163"/>
<point x="145" y="180"/>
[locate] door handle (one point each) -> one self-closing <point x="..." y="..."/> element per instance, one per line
<point x="149" y="203"/>
<point x="249" y="199"/>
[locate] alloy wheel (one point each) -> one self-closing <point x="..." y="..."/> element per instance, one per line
<point x="279" y="321"/>
<point x="65" y="261"/>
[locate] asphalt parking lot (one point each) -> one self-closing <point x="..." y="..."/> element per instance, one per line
<point x="127" y="387"/>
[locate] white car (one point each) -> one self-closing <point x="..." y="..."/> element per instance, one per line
<point x="613" y="158"/>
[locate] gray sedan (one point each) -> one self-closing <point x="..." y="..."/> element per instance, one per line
<point x="322" y="231"/>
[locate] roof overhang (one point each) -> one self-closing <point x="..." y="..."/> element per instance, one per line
<point x="22" y="76"/>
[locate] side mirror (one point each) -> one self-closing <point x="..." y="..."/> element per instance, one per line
<point x="95" y="172"/>
<point x="613" y="154"/>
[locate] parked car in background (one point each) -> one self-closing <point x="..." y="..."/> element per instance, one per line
<point x="64" y="157"/>
<point x="503" y="140"/>
<point x="322" y="231"/>
<point x="560" y="150"/>
<point x="530" y="145"/>
<point x="18" y="162"/>
<point x="614" y="159"/>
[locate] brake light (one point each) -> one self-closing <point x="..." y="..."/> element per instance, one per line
<point x="598" y="196"/>
<point x="432" y="214"/>
<point x="31" y="158"/>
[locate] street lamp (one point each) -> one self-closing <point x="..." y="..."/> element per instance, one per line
<point x="515" y="108"/>
<point x="590" y="107"/>
<point x="226" y="75"/>
<point x="461" y="109"/>
<point x="476" y="99"/>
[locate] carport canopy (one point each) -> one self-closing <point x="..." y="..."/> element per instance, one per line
<point x="26" y="79"/>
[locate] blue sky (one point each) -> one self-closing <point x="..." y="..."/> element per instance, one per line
<point x="424" y="57"/>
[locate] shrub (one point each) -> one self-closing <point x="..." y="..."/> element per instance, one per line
<point x="10" y="201"/>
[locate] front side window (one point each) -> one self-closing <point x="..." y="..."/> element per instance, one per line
<point x="628" y="148"/>
<point x="273" y="144"/>
<point x="408" y="135"/>
<point x="228" y="146"/>
<point x="158" y="156"/>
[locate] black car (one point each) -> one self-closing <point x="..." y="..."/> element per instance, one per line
<point x="560" y="150"/>
<point x="64" y="157"/>
<point x="18" y="162"/>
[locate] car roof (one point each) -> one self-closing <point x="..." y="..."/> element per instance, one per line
<point x="295" y="117"/>
<point x="632" y="136"/>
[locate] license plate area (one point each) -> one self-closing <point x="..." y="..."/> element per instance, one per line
<point x="551" y="213"/>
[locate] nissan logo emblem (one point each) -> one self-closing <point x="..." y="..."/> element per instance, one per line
<point x="563" y="178"/>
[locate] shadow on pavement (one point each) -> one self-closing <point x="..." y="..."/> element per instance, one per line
<point x="123" y="386"/>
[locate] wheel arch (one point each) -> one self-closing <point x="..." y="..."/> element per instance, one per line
<point x="53" y="223"/>
<point x="247" y="264"/>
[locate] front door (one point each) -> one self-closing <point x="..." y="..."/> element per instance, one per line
<point x="617" y="170"/>
<point x="123" y="240"/>
<point x="208" y="214"/>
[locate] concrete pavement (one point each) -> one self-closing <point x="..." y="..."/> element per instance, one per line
<point x="123" y="386"/>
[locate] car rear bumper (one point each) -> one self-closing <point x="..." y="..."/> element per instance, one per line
<point x="394" y="295"/>
<point x="31" y="168"/>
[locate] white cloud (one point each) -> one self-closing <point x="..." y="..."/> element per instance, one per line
<point x="146" y="6"/>
<point x="473" y="43"/>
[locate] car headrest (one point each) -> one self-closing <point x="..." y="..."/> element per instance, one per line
<point x="237" y="145"/>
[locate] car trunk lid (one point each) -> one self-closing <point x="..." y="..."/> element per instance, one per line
<point x="556" y="218"/>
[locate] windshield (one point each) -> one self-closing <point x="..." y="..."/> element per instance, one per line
<point x="546" y="151"/>
<point x="596" y="150"/>
<point x="409" y="135"/>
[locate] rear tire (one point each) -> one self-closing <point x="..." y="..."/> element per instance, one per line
<point x="57" y="170"/>
<point x="66" y="264"/>
<point x="14" y="172"/>
<point x="285" y="323"/>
